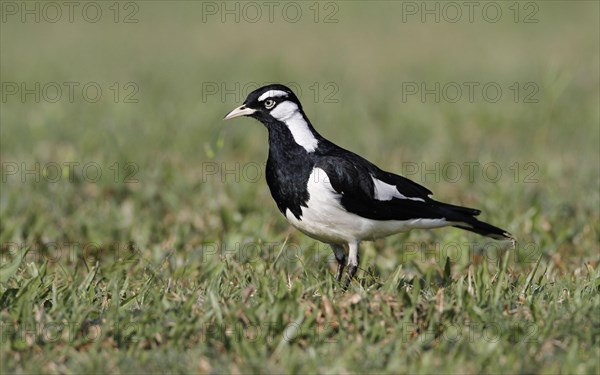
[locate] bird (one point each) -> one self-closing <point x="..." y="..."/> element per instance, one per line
<point x="336" y="196"/>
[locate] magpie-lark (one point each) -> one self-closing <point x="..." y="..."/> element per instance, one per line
<point x="336" y="196"/>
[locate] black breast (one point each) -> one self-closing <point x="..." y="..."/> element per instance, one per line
<point x="288" y="168"/>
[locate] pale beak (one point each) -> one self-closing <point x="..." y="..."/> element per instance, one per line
<point x="239" y="111"/>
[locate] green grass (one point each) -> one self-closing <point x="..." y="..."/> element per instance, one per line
<point x="177" y="260"/>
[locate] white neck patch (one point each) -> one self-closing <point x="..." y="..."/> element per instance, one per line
<point x="272" y="94"/>
<point x="289" y="113"/>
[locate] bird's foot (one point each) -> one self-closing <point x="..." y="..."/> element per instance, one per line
<point x="340" y="271"/>
<point x="351" y="272"/>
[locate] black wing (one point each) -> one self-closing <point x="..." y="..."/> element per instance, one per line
<point x="354" y="182"/>
<point x="336" y="154"/>
<point x="352" y="176"/>
<point x="410" y="188"/>
<point x="353" y="179"/>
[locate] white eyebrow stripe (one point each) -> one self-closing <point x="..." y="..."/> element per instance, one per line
<point x="386" y="192"/>
<point x="272" y="94"/>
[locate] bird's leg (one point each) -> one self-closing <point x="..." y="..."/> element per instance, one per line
<point x="353" y="259"/>
<point x="340" y="256"/>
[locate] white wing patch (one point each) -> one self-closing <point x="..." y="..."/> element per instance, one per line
<point x="386" y="192"/>
<point x="272" y="94"/>
<point x="289" y="113"/>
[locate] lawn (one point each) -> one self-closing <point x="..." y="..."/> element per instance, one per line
<point x="138" y="234"/>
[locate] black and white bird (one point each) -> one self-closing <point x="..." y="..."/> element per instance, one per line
<point x="336" y="196"/>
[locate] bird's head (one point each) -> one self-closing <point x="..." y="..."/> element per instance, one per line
<point x="268" y="103"/>
<point x="278" y="108"/>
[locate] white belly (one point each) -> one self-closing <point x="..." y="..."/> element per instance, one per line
<point x="326" y="220"/>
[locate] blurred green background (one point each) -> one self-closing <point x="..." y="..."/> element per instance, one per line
<point x="169" y="71"/>
<point x="186" y="68"/>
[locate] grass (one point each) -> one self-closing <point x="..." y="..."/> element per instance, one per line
<point x="176" y="259"/>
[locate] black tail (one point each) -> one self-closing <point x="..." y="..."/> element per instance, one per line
<point x="485" y="229"/>
<point x="466" y="217"/>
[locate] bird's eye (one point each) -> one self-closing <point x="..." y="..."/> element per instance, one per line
<point x="269" y="103"/>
